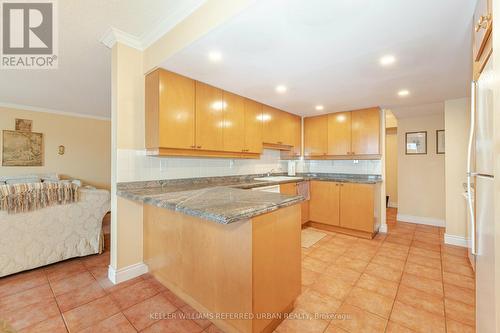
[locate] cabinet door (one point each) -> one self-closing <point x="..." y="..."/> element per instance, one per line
<point x="296" y="135"/>
<point x="339" y="133"/>
<point x="356" y="206"/>
<point x="482" y="27"/>
<point x="324" y="202"/>
<point x="170" y="110"/>
<point x="253" y="126"/>
<point x="315" y="135"/>
<point x="209" y="117"/>
<point x="365" y="132"/>
<point x="288" y="188"/>
<point x="271" y="130"/>
<point x="234" y="122"/>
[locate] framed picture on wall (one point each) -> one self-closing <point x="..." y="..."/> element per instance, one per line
<point x="440" y="144"/>
<point x="416" y="143"/>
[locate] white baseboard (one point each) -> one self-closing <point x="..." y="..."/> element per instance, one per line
<point x="392" y="205"/>
<point x="126" y="273"/>
<point x="383" y="228"/>
<point x="421" y="220"/>
<point x="455" y="240"/>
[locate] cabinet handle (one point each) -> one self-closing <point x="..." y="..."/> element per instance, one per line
<point x="193" y="146"/>
<point x="280" y="143"/>
<point x="198" y="147"/>
<point x="483" y="21"/>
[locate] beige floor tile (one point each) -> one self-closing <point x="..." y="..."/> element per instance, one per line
<point x="460" y="312"/>
<point x="425" y="253"/>
<point x="459" y="280"/>
<point x="332" y="286"/>
<point x="456" y="327"/>
<point x="325" y="255"/>
<point x="421" y="300"/>
<point x="31" y="314"/>
<point x="370" y="301"/>
<point x="360" y="321"/>
<point x="378" y="285"/>
<point x="134" y="294"/>
<point x="465" y="270"/>
<point x="393" y="263"/>
<point x="343" y="273"/>
<point x="424" y="261"/>
<point x="115" y="324"/>
<point x="302" y="321"/>
<point x="384" y="272"/>
<point x="423" y="271"/>
<point x="418" y="320"/>
<point x="80" y="296"/>
<point x="25" y="298"/>
<point x="460" y="294"/>
<point x="22" y="281"/>
<point x="313" y="301"/>
<point x="426" y="246"/>
<point x="393" y="327"/>
<point x="139" y="315"/>
<point x="51" y="325"/>
<point x="71" y="283"/>
<point x="430" y="286"/>
<point x="309" y="277"/>
<point x="90" y="314"/>
<point x="351" y="263"/>
<point x="314" y="265"/>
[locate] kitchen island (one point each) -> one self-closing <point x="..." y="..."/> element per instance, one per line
<point x="233" y="254"/>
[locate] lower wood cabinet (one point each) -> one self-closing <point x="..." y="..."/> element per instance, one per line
<point x="324" y="203"/>
<point x="291" y="189"/>
<point x="347" y="206"/>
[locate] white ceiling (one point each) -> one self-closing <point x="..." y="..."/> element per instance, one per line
<point x="82" y="83"/>
<point x="326" y="52"/>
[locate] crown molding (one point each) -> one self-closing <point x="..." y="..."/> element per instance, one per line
<point x="113" y="35"/>
<point x="62" y="113"/>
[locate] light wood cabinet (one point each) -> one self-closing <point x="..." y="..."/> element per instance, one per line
<point x="209" y="117"/>
<point x="170" y="110"/>
<point x="324" y="203"/>
<point x="316" y="136"/>
<point x="233" y="125"/>
<point x="343" y="135"/>
<point x="296" y="135"/>
<point x="346" y="207"/>
<point x="482" y="28"/>
<point x="291" y="189"/>
<point x="339" y="133"/>
<point x="253" y="126"/>
<point x="357" y="206"/>
<point x="273" y="128"/>
<point x="365" y="132"/>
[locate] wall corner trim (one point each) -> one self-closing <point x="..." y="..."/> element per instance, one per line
<point x="455" y="240"/>
<point x="113" y="36"/>
<point x="126" y="273"/>
<point x="383" y="228"/>
<point x="421" y="220"/>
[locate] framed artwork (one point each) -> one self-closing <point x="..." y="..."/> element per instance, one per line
<point x="23" y="125"/>
<point x="440" y="143"/>
<point x="22" y="148"/>
<point x="416" y="143"/>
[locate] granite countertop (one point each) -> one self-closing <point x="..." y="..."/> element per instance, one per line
<point x="223" y="199"/>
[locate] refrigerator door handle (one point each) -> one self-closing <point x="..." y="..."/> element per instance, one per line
<point x="470" y="174"/>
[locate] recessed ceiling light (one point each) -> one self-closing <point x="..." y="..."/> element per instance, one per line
<point x="387" y="60"/>
<point x="281" y="89"/>
<point x="403" y="93"/>
<point x="215" y="56"/>
<point x="319" y="107"/>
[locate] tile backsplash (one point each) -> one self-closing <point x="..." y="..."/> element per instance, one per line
<point x="134" y="165"/>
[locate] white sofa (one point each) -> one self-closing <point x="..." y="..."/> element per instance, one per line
<point x="48" y="235"/>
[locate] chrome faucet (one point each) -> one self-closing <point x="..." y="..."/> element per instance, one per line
<point x="271" y="171"/>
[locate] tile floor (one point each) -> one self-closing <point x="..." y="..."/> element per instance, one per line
<point x="407" y="281"/>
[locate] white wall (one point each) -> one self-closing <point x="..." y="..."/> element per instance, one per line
<point x="421" y="178"/>
<point x="456" y="131"/>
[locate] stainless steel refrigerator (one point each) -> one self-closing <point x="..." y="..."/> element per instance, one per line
<point x="480" y="176"/>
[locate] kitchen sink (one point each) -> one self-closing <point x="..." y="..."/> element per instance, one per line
<point x="278" y="178"/>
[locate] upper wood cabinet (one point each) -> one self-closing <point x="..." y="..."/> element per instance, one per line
<point x="316" y="136"/>
<point x="209" y="117"/>
<point x="482" y="44"/>
<point x="253" y="126"/>
<point x="170" y="110"/>
<point x="343" y="135"/>
<point x="233" y="125"/>
<point x="365" y="132"/>
<point x="281" y="128"/>
<point x="339" y="133"/>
